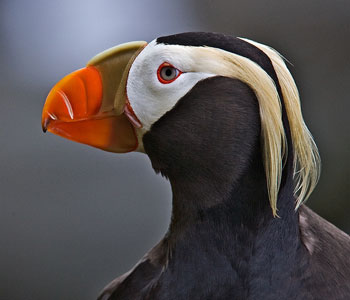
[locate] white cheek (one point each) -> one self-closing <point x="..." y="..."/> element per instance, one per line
<point x="151" y="99"/>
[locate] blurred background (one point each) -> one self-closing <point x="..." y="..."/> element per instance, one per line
<point x="72" y="217"/>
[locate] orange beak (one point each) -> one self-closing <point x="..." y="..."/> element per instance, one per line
<point x="87" y="106"/>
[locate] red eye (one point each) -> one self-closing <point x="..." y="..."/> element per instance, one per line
<point x="167" y="73"/>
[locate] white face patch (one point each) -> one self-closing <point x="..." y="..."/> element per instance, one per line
<point x="149" y="98"/>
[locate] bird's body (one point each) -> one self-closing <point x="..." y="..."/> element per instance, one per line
<point x="222" y="242"/>
<point x="241" y="268"/>
<point x="219" y="122"/>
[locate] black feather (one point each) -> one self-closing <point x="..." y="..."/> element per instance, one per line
<point x="223" y="242"/>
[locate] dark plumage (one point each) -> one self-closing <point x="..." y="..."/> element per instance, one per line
<point x="224" y="242"/>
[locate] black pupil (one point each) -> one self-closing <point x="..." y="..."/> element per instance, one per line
<point x="168" y="72"/>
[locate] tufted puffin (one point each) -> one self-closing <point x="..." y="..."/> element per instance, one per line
<point x="220" y="117"/>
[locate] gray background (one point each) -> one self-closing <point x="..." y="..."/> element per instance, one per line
<point x="72" y="217"/>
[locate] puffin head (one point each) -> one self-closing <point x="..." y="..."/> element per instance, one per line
<point x="198" y="104"/>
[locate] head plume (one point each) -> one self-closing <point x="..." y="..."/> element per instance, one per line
<point x="264" y="70"/>
<point x="306" y="163"/>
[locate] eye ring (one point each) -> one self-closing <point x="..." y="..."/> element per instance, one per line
<point x="167" y="73"/>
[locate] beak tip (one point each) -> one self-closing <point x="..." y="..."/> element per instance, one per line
<point x="45" y="124"/>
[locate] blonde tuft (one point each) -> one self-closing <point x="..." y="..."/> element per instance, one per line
<point x="307" y="162"/>
<point x="273" y="137"/>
